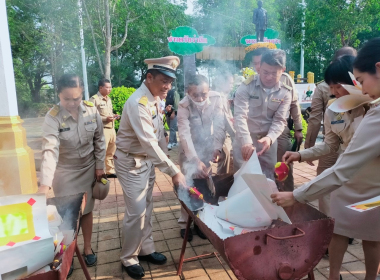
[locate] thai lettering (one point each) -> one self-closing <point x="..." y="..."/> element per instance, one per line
<point x="187" y="39"/>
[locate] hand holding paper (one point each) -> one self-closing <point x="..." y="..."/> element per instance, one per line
<point x="283" y="199"/>
<point x="247" y="151"/>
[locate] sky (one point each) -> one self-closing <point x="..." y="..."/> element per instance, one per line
<point x="190" y="7"/>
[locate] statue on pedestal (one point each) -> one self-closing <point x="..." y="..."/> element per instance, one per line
<point x="260" y="20"/>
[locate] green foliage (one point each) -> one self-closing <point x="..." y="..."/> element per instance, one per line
<point x="119" y="95"/>
<point x="304" y="129"/>
<point x="185" y="48"/>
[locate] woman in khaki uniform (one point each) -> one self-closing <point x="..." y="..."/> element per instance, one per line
<point x="339" y="127"/>
<point x="355" y="176"/>
<point x="73" y="151"/>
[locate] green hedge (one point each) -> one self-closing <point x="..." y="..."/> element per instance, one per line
<point x="304" y="128"/>
<point x="119" y="96"/>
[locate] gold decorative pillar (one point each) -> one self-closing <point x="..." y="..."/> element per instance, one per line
<point x="17" y="168"/>
<point x="299" y="77"/>
<point x="291" y="74"/>
<point x="310" y="77"/>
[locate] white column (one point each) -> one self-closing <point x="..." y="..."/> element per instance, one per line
<point x="8" y="97"/>
<point x="302" y="63"/>
<point x="84" y="68"/>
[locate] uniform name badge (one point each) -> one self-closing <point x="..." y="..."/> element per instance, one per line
<point x="336" y="122"/>
<point x="254" y="97"/>
<point x="278" y="100"/>
<point x="64" y="129"/>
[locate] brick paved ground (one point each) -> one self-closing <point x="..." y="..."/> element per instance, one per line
<point x="109" y="213"/>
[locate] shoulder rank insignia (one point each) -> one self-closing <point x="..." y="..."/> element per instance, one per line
<point x="319" y="82"/>
<point x="54" y="111"/>
<point x="330" y="101"/>
<point x="95" y="96"/>
<point x="287" y="87"/>
<point x="143" y="100"/>
<point x="249" y="80"/>
<point x="88" y="103"/>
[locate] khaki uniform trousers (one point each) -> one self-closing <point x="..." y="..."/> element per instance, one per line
<point x="284" y="145"/>
<point x="136" y="176"/>
<point x="325" y="163"/>
<point x="110" y="137"/>
<point x="267" y="160"/>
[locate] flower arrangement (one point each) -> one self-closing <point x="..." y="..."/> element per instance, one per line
<point x="247" y="72"/>
<point x="260" y="45"/>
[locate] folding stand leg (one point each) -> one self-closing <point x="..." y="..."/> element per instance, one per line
<point x="81" y="260"/>
<point x="311" y="275"/>
<point x="182" y="256"/>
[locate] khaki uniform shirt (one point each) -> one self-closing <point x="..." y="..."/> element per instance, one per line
<point x="104" y="106"/>
<point x="295" y="109"/>
<point x="259" y="112"/>
<point x="339" y="130"/>
<point x="139" y="127"/>
<point x="65" y="138"/>
<point x="319" y="102"/>
<point x="201" y="131"/>
<point x="228" y="118"/>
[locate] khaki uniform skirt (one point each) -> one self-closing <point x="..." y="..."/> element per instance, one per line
<point x="74" y="176"/>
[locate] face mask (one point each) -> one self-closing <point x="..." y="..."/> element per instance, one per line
<point x="200" y="104"/>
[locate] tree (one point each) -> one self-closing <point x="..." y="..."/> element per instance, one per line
<point x="118" y="10"/>
<point x="146" y="38"/>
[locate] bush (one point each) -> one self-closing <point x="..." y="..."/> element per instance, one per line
<point x="119" y="96"/>
<point x="304" y="129"/>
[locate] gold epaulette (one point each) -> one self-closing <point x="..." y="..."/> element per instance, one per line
<point x="319" y="82"/>
<point x="88" y="103"/>
<point x="287" y="87"/>
<point x="330" y="101"/>
<point x="54" y="111"/>
<point x="249" y="80"/>
<point x="95" y="96"/>
<point x="143" y="100"/>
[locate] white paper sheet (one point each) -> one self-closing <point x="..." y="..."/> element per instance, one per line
<point x="259" y="186"/>
<point x="365" y="205"/>
<point x="252" y="166"/>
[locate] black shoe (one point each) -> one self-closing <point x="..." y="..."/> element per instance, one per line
<point x="189" y="237"/>
<point x="113" y="175"/>
<point x="350" y="241"/>
<point x="71" y="269"/>
<point x="135" y="271"/>
<point x="199" y="232"/>
<point x="90" y="259"/>
<point x="154" y="258"/>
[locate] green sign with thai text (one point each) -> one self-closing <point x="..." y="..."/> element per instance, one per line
<point x="185" y="40"/>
